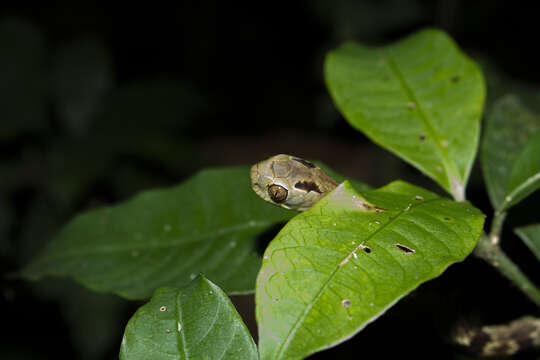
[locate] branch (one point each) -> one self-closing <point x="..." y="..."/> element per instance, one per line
<point x="490" y="251"/>
<point x="496" y="227"/>
<point x="499" y="340"/>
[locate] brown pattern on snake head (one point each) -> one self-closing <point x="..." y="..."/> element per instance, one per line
<point x="305" y="162"/>
<point x="307" y="186"/>
<point x="305" y="182"/>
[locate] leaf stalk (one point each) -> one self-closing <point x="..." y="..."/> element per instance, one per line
<point x="491" y="252"/>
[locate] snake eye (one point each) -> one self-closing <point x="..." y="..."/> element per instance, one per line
<point x="277" y="193"/>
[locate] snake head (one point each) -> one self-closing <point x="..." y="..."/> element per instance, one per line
<point x="290" y="182"/>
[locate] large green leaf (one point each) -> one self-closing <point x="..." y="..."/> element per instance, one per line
<point x="196" y="322"/>
<point x="525" y="176"/>
<point x="509" y="127"/>
<point x="421" y="98"/>
<point x="166" y="237"/>
<point x="531" y="237"/>
<point x="338" y="266"/>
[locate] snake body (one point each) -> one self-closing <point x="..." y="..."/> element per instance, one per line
<point x="290" y="182"/>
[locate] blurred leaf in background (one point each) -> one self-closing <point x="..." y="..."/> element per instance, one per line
<point x="95" y="321"/>
<point x="509" y="126"/>
<point x="6" y="220"/>
<point x="23" y="81"/>
<point x="81" y="80"/>
<point x="359" y="20"/>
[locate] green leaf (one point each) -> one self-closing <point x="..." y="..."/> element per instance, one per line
<point x="166" y="237"/>
<point x="420" y="98"/>
<point x="530" y="235"/>
<point x="509" y="127"/>
<point x="338" y="266"/>
<point x="196" y="322"/>
<point x="525" y="176"/>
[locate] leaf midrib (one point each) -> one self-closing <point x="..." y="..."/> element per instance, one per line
<point x="432" y="133"/>
<point x="509" y="197"/>
<point x="180" y="335"/>
<point x="151" y="246"/>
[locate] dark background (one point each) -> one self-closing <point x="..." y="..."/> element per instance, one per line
<point x="98" y="102"/>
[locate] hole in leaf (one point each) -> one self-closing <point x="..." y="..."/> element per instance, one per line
<point x="346" y="303"/>
<point x="419" y="198"/>
<point x="422" y="137"/>
<point x="405" y="249"/>
<point x="367" y="249"/>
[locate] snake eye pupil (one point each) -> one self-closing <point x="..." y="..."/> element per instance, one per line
<point x="277" y="193"/>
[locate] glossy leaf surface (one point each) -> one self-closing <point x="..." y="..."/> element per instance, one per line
<point x="420" y="98"/>
<point x="338" y="266"/>
<point x="195" y="322"/>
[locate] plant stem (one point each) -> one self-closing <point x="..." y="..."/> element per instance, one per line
<point x="496" y="227"/>
<point x="491" y="252"/>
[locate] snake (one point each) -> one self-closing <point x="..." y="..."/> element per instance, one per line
<point x="290" y="182"/>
